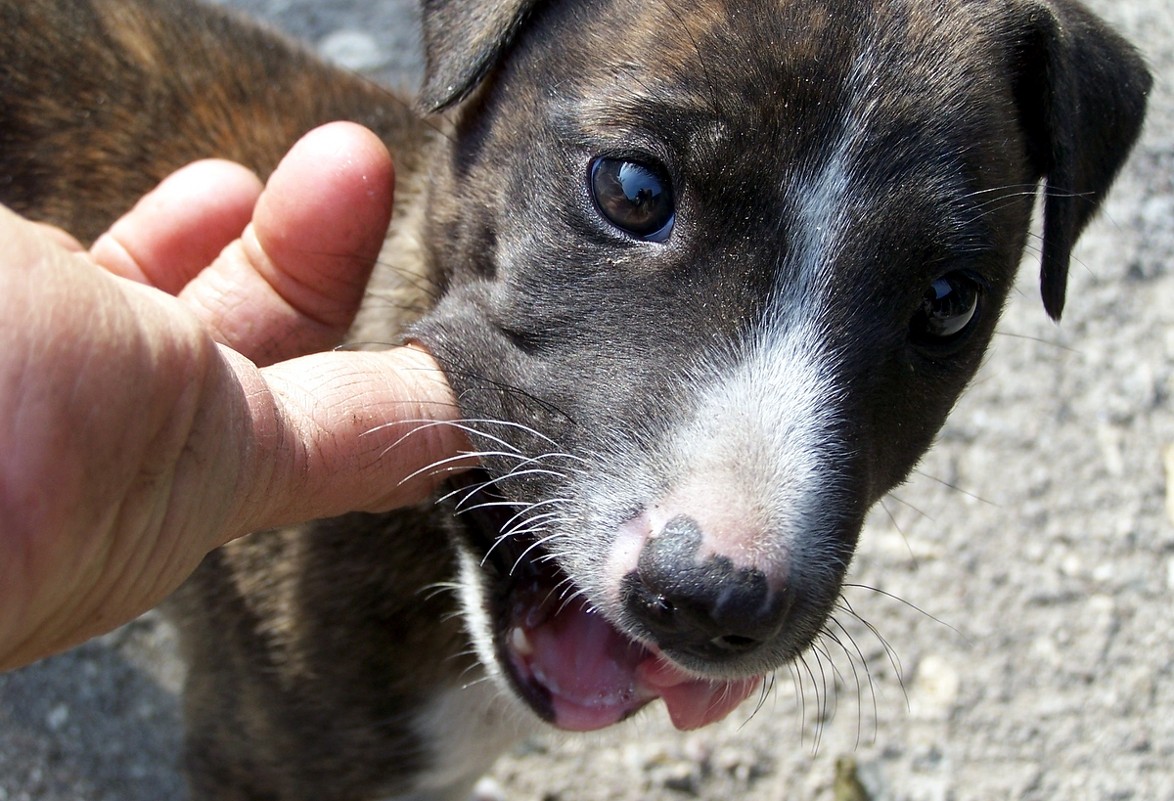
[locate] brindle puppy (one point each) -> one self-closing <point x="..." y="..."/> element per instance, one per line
<point x="707" y="278"/>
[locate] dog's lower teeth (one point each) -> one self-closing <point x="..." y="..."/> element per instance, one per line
<point x="520" y="642"/>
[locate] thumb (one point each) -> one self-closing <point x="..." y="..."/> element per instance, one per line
<point x="291" y="283"/>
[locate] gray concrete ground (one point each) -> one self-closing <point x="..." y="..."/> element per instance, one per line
<point x="1033" y="554"/>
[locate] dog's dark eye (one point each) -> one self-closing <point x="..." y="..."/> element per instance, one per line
<point x="634" y="197"/>
<point x="947" y="309"/>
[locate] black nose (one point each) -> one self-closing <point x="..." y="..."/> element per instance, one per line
<point x="708" y="609"/>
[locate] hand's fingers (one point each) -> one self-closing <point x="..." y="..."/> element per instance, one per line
<point x="293" y="283"/>
<point x="103" y="512"/>
<point x="347" y="431"/>
<point x="181" y="226"/>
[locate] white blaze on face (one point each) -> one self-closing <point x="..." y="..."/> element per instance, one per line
<point x="756" y="466"/>
<point x="756" y="463"/>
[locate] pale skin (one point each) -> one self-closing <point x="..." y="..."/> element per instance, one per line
<point x="155" y="396"/>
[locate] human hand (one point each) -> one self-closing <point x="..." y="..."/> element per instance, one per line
<point x="136" y="434"/>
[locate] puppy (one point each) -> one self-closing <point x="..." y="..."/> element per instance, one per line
<point x="707" y="279"/>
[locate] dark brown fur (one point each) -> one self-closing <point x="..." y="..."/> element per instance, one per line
<point x="120" y="89"/>
<point x="310" y="649"/>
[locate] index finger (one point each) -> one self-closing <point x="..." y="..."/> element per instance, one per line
<point x="348" y="431"/>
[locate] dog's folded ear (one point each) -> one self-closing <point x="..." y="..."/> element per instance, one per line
<point x="1081" y="94"/>
<point x="463" y="40"/>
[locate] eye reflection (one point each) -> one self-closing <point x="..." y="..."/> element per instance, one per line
<point x="634" y="197"/>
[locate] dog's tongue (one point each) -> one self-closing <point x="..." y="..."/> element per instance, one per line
<point x="693" y="703"/>
<point x="596" y="677"/>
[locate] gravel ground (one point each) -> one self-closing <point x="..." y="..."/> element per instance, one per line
<point x="1020" y="636"/>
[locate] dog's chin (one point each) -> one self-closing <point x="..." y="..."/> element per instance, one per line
<point x="565" y="660"/>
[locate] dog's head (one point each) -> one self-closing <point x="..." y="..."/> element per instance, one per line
<point x="716" y="273"/>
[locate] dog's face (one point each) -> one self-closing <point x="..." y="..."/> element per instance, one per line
<point x="717" y="273"/>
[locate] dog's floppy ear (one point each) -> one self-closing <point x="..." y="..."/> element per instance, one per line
<point x="1081" y="92"/>
<point x="463" y="39"/>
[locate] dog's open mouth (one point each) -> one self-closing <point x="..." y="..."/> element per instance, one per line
<point x="567" y="661"/>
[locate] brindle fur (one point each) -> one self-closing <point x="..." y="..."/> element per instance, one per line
<point x="310" y="649"/>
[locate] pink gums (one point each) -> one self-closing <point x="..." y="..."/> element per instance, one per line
<point x="595" y="676"/>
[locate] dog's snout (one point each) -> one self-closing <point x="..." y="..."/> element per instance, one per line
<point x="706" y="607"/>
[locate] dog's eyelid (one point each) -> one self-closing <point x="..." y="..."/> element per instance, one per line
<point x="983" y="283"/>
